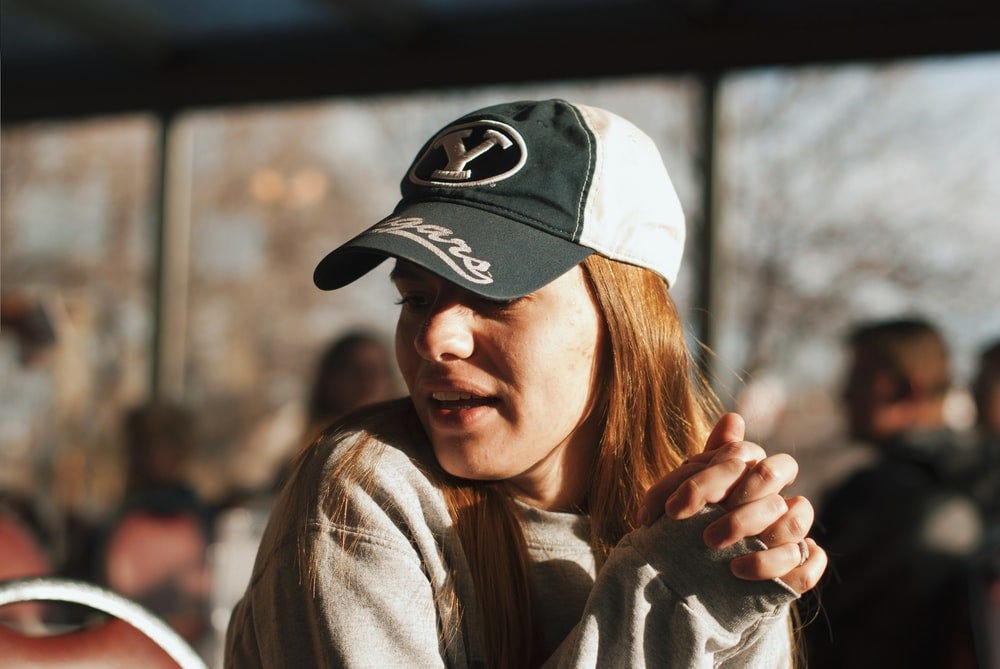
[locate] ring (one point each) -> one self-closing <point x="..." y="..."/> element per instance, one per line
<point x="804" y="552"/>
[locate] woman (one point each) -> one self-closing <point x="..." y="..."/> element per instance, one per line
<point x="508" y="511"/>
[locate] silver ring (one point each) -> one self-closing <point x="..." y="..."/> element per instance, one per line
<point x="803" y="551"/>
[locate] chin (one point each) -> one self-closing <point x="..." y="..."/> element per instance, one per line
<point x="464" y="469"/>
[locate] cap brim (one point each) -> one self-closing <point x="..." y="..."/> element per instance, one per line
<point x="480" y="251"/>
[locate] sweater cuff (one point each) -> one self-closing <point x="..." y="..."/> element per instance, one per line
<point x="700" y="575"/>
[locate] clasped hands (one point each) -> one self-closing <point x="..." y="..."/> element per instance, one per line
<point x="741" y="477"/>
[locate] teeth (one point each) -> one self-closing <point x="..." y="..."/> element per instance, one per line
<point x="451" y="396"/>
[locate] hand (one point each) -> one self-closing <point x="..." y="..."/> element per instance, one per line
<point x="739" y="475"/>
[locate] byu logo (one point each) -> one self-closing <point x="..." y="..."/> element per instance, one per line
<point x="458" y="156"/>
<point x="474" y="154"/>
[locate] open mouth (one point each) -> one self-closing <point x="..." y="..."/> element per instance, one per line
<point x="457" y="400"/>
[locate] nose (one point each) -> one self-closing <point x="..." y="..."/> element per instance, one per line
<point x="446" y="333"/>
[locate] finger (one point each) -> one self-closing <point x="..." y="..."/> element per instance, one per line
<point x="807" y="576"/>
<point x="709" y="486"/>
<point x="793" y="526"/>
<point x="767" y="477"/>
<point x="784" y="562"/>
<point x="747" y="520"/>
<point x="747" y="451"/>
<point x="655" y="499"/>
<point x="731" y="427"/>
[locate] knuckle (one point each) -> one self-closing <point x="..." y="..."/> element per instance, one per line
<point x="795" y="527"/>
<point x="691" y="489"/>
<point x="734" y="525"/>
<point x="735" y="466"/>
<point x="730" y="451"/>
<point x="755" y="561"/>
<point x="776" y="505"/>
<point x="766" y="473"/>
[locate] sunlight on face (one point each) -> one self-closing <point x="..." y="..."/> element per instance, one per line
<point x="503" y="389"/>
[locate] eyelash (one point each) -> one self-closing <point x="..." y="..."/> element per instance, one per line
<point x="410" y="301"/>
<point x="484" y="305"/>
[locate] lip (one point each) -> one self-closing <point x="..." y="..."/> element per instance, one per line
<point x="462" y="406"/>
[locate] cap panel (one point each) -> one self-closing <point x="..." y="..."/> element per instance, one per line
<point x="632" y="212"/>
<point x="527" y="161"/>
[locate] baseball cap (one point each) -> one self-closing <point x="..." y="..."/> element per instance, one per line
<point x="508" y="198"/>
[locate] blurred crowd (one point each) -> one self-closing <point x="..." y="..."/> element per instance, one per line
<point x="913" y="535"/>
<point x="184" y="558"/>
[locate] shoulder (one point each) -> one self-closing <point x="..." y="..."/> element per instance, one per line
<point x="373" y="469"/>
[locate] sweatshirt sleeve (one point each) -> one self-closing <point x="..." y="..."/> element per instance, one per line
<point x="665" y="599"/>
<point x="376" y="610"/>
<point x="369" y="601"/>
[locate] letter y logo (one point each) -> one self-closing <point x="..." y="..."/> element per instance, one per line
<point x="447" y="160"/>
<point x="454" y="145"/>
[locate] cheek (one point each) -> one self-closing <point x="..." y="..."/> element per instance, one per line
<point x="572" y="363"/>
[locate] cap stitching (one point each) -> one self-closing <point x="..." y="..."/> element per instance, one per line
<point x="590" y="174"/>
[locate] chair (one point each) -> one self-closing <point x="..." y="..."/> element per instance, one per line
<point x="132" y="637"/>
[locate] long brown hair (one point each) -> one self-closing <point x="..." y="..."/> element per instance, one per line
<point x="654" y="410"/>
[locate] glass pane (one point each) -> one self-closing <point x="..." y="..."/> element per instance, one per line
<point x="76" y="258"/>
<point x="851" y="193"/>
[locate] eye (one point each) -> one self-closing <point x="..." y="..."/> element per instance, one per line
<point x="485" y="305"/>
<point x="413" y="300"/>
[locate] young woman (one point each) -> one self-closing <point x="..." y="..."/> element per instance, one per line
<point x="551" y="490"/>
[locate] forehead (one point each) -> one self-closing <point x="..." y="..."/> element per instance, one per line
<point x="405" y="270"/>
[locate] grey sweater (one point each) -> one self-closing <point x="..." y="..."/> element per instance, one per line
<point x="662" y="598"/>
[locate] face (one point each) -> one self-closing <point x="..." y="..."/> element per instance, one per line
<point x="869" y="396"/>
<point x="504" y="389"/>
<point x="363" y="376"/>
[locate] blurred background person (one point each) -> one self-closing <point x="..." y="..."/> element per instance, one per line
<point x="155" y="549"/>
<point x="901" y="532"/>
<point x="985" y="485"/>
<point x="986" y="392"/>
<point x="354" y="370"/>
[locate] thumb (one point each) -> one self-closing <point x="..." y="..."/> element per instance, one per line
<point x="730" y="428"/>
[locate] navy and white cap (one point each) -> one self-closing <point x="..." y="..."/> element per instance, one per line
<point x="508" y="198"/>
